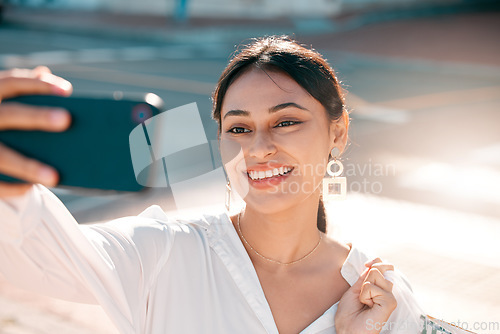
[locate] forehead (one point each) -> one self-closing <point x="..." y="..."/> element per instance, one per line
<point x="259" y="90"/>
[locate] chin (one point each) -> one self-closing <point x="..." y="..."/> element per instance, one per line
<point x="273" y="203"/>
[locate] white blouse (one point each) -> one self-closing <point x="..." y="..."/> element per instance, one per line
<point x="151" y="274"/>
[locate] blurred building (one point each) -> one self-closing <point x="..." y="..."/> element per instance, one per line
<point x="253" y="9"/>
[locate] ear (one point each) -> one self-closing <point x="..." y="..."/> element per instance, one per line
<point x="338" y="132"/>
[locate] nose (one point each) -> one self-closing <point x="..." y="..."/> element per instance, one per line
<point x="262" y="145"/>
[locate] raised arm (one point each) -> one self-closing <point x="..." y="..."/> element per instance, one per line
<point x="43" y="249"/>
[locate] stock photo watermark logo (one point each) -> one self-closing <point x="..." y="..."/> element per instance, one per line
<point x="430" y="325"/>
<point x="361" y="177"/>
<point x="366" y="177"/>
<point x="171" y="150"/>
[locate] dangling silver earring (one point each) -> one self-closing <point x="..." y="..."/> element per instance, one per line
<point x="334" y="187"/>
<point x="228" y="196"/>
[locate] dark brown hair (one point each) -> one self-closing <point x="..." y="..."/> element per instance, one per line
<point x="306" y="66"/>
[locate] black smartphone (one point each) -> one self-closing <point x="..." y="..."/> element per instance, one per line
<point x="94" y="152"/>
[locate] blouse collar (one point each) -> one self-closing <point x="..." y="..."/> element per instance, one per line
<point x="226" y="243"/>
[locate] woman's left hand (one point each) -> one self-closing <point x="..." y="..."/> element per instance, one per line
<point x="366" y="306"/>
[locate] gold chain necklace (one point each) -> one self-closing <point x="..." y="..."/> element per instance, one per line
<point x="271" y="260"/>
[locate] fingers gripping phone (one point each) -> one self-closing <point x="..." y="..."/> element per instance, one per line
<point x="94" y="152"/>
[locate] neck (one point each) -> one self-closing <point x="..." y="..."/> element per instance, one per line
<point x="283" y="236"/>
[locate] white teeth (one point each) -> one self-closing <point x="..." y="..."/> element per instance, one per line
<point x="259" y="175"/>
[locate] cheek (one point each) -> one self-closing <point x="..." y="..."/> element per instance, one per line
<point x="232" y="156"/>
<point x="312" y="158"/>
<point x="313" y="166"/>
<point x="230" y="151"/>
<point x="234" y="164"/>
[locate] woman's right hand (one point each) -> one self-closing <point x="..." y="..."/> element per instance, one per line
<point x="22" y="117"/>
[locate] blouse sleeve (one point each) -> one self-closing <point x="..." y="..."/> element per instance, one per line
<point x="43" y="249"/>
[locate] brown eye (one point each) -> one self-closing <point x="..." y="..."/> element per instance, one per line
<point x="238" y="130"/>
<point x="287" y="123"/>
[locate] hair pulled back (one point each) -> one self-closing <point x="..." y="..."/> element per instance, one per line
<point x="306" y="66"/>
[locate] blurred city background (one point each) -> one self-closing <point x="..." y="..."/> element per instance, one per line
<point x="423" y="164"/>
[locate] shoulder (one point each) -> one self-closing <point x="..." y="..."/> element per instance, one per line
<point x="153" y="224"/>
<point x="347" y="257"/>
<point x="154" y="218"/>
<point x="157" y="233"/>
<point x="188" y="224"/>
<point x="334" y="253"/>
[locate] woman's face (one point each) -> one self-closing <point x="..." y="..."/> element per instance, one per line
<point x="275" y="140"/>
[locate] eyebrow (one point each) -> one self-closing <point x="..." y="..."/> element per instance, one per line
<point x="239" y="112"/>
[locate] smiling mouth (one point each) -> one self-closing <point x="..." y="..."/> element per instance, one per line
<point x="267" y="174"/>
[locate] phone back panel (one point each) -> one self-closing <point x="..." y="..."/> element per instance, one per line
<point x="94" y="152"/>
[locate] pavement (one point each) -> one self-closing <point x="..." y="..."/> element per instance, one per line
<point x="450" y="256"/>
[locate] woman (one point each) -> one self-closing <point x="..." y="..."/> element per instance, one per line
<point x="269" y="269"/>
